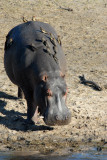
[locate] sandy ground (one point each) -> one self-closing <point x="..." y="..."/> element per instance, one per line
<point x="83" y="33"/>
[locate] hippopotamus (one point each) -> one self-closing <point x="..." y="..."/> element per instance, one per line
<point x="34" y="61"/>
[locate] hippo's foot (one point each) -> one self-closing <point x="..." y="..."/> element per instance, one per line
<point x="33" y="118"/>
<point x="33" y="121"/>
<point x="30" y="122"/>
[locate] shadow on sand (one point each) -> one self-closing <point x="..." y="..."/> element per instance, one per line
<point x="15" y="120"/>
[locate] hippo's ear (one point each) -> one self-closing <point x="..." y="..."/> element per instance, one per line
<point x="49" y="93"/>
<point x="44" y="78"/>
<point x="62" y="75"/>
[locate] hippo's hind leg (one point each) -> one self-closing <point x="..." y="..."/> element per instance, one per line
<point x="20" y="93"/>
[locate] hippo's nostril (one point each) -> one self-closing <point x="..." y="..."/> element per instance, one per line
<point x="63" y="118"/>
<point x="56" y="117"/>
<point x="66" y="117"/>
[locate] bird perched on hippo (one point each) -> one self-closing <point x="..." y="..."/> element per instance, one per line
<point x="35" y="62"/>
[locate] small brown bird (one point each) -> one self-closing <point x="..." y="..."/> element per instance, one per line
<point x="43" y="31"/>
<point x="52" y="39"/>
<point x="8" y="42"/>
<point x="59" y="40"/>
<point x="33" y="18"/>
<point x="51" y="36"/>
<point x="24" y="19"/>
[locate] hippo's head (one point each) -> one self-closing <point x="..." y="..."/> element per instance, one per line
<point x="53" y="101"/>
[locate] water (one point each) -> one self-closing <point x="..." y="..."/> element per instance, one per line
<point x="86" y="155"/>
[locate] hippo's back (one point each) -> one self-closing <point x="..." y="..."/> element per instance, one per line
<point x="34" y="44"/>
<point x="30" y="31"/>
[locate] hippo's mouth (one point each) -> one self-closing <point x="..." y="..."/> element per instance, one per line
<point x="53" y="116"/>
<point x="56" y="122"/>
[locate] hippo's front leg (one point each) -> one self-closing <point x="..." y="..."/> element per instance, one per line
<point x="32" y="112"/>
<point x="32" y="108"/>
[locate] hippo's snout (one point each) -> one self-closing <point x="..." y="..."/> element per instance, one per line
<point x="63" y="119"/>
<point x="56" y="112"/>
<point x="57" y="119"/>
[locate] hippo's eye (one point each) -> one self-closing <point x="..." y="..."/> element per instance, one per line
<point x="65" y="93"/>
<point x="49" y="93"/>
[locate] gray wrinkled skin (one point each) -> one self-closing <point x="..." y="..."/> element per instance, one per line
<point x="35" y="62"/>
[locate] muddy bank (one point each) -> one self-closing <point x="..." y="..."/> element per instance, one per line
<point x="83" y="34"/>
